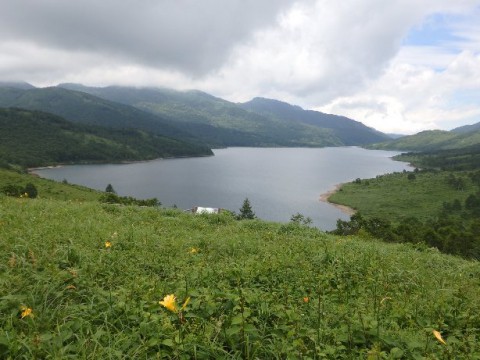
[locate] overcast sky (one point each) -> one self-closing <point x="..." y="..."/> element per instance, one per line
<point x="397" y="65"/>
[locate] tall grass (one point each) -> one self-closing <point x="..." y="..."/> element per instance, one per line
<point x="257" y="289"/>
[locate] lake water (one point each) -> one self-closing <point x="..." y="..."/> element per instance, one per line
<point x="279" y="182"/>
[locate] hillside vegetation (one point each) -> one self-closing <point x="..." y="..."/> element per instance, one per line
<point x="49" y="189"/>
<point x="431" y="140"/>
<point x="223" y="123"/>
<point x="83" y="108"/>
<point x="465" y="158"/>
<point x="33" y="138"/>
<point x="91" y="280"/>
<point x="436" y="208"/>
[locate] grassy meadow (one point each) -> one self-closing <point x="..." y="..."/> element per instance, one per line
<point x="49" y="189"/>
<point x="395" y="196"/>
<point x="80" y="279"/>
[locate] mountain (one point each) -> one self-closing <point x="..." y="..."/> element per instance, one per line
<point x="350" y="132"/>
<point x="80" y="107"/>
<point x="16" y="85"/>
<point x="431" y="140"/>
<point x="33" y="138"/>
<point x="467" y="128"/>
<point x="223" y="123"/>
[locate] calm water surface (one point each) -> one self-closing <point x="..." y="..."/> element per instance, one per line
<point x="279" y="182"/>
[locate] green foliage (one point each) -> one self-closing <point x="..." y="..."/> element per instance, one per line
<point x="246" y="211"/>
<point x="110" y="189"/>
<point x="32" y="138"/>
<point x="80" y="107"/>
<point x="394" y="197"/>
<point x="15" y="190"/>
<point x="462" y="159"/>
<point x="31" y="190"/>
<point x="260" y="122"/>
<point x="93" y="275"/>
<point x="46" y="189"/>
<point x="112" y="198"/>
<point x="300" y="219"/>
<point x="438" y="209"/>
<point x="432" y="140"/>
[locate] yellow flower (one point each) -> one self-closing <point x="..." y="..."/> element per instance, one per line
<point x="439" y="337"/>
<point x="26" y="311"/>
<point x="193" y="250"/>
<point x="108" y="244"/>
<point x="169" y="302"/>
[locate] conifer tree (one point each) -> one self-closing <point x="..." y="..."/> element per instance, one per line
<point x="246" y="211"/>
<point x="110" y="189"/>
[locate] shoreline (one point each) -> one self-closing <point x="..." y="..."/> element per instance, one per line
<point x="325" y="197"/>
<point x="124" y="162"/>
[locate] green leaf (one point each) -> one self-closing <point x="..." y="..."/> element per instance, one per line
<point x="168" y="342"/>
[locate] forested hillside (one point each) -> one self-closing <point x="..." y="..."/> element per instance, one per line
<point x="438" y="206"/>
<point x="83" y="108"/>
<point x="350" y="132"/>
<point x="431" y="140"/>
<point x="465" y="158"/>
<point x="34" y="138"/>
<point x="220" y="122"/>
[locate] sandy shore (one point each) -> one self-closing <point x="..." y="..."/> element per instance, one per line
<point x="326" y="196"/>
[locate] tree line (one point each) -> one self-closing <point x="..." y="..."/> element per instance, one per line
<point x="454" y="229"/>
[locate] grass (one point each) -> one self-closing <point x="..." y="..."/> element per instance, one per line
<point x="394" y="196"/>
<point x="257" y="289"/>
<point x="49" y="189"/>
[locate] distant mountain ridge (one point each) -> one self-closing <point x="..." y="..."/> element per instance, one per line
<point x="81" y="107"/>
<point x="192" y="116"/>
<point x="220" y="122"/>
<point x="349" y="131"/>
<point x="431" y="140"/>
<point x="467" y="128"/>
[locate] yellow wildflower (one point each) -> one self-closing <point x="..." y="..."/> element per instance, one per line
<point x="26" y="311"/>
<point x="108" y="244"/>
<point x="193" y="250"/>
<point x="169" y="301"/>
<point x="439" y="337"/>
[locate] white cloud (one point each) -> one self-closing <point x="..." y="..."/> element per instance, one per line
<point x="345" y="57"/>
<point x="410" y="98"/>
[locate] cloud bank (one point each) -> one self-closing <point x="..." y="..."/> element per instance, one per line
<point x="399" y="66"/>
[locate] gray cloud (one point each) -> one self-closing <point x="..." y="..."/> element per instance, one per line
<point x="346" y="57"/>
<point x="188" y="35"/>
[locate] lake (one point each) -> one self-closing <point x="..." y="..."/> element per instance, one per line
<point x="279" y="182"/>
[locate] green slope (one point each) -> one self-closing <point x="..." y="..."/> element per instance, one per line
<point x="48" y="189"/>
<point x="395" y="197"/>
<point x="87" y="109"/>
<point x="464" y="158"/>
<point x="256" y="289"/>
<point x="33" y="138"/>
<point x="431" y="140"/>
<point x="224" y="123"/>
<point x="350" y="132"/>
